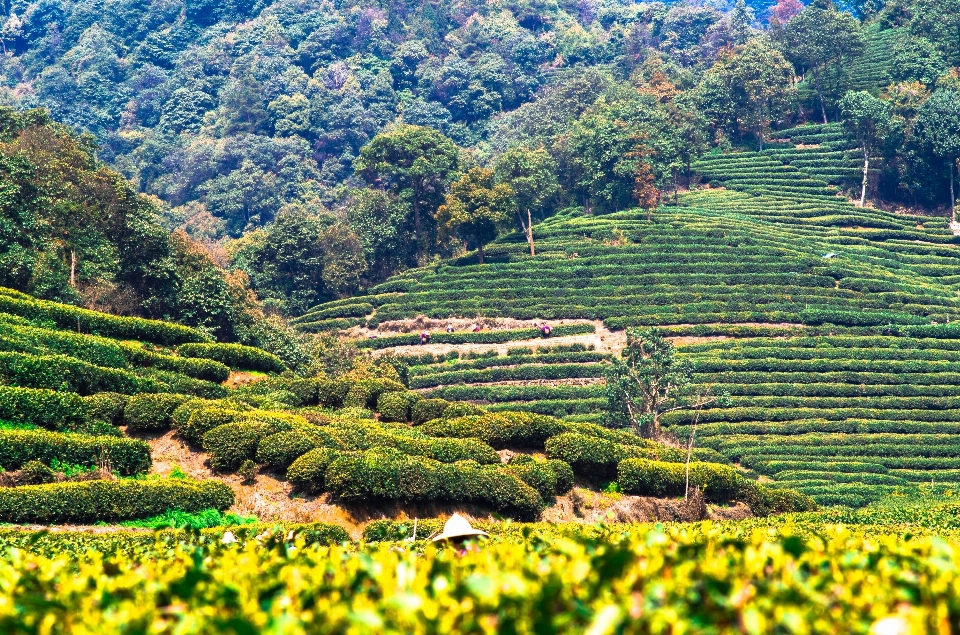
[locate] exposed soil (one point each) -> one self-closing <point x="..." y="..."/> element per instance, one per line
<point x="587" y="506"/>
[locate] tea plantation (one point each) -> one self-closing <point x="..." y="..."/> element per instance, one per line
<point x="831" y="326"/>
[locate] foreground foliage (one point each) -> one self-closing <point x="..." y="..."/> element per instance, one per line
<point x="703" y="578"/>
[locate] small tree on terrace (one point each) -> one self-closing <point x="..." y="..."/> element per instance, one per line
<point x="870" y="122"/>
<point x="938" y="124"/>
<point x="476" y="209"/>
<point x="532" y="175"/>
<point x="648" y="381"/>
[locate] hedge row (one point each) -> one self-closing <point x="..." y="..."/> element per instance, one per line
<point x="510" y="373"/>
<point x="501" y="430"/>
<point x="595" y="457"/>
<point x="384" y="474"/>
<point x="235" y="356"/>
<point x="718" y="483"/>
<point x="68" y="317"/>
<point x="109" y="501"/>
<point x="45" y="408"/>
<point x="126" y="456"/>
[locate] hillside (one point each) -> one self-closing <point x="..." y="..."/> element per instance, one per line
<point x="829" y="325"/>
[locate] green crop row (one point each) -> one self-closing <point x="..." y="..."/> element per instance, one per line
<point x="483" y="337"/>
<point x="509" y="373"/>
<point x="70" y="318"/>
<point x="235" y="356"/>
<point x="126" y="456"/>
<point x="109" y="501"/>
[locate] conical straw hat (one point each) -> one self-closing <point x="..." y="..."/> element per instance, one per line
<point x="458" y="527"/>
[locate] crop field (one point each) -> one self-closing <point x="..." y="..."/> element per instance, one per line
<point x="705" y="578"/>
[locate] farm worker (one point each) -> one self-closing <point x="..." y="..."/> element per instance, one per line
<point x="449" y="328"/>
<point x="457" y="531"/>
<point x="424" y="338"/>
<point x="476" y="327"/>
<point x="545" y="330"/>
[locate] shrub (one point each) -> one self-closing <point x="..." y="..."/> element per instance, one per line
<point x="233" y="443"/>
<point x="461" y="409"/>
<point x="591" y="456"/>
<point x="105" y="406"/>
<point x="332" y="392"/>
<point x="303" y="391"/>
<point x="69" y="317"/>
<point x="764" y="501"/>
<point x="126" y="456"/>
<point x="564" y="474"/>
<point x="109" y="501"/>
<point x="279" y="450"/>
<point x="518" y="429"/>
<point x="308" y="472"/>
<point x="719" y="483"/>
<point x="198" y="368"/>
<point x="365" y="392"/>
<point x="537" y="474"/>
<point x="41" y="407"/>
<point x="427" y="410"/>
<point x="235" y="356"/>
<point x="151" y="411"/>
<point x="396" y="406"/>
<point x="204" y="419"/>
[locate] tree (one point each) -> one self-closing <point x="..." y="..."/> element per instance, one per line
<point x="644" y="184"/>
<point x="476" y="208"/>
<point x="938" y="125"/>
<point x="414" y="163"/>
<point x="819" y="38"/>
<point x="740" y="22"/>
<point x="532" y="175"/>
<point x="781" y="12"/>
<point x="749" y="86"/>
<point x="648" y="381"/>
<point x="869" y="121"/>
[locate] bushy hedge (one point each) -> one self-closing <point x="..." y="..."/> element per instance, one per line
<point x="500" y="430"/>
<point x="427" y="409"/>
<point x="235" y="356"/>
<point x="397" y="406"/>
<point x="151" y="411"/>
<point x="391" y="475"/>
<point x="201" y="418"/>
<point x="231" y="444"/>
<point x="298" y="392"/>
<point x="105" y="406"/>
<point x="719" y="483"/>
<point x="109" y="501"/>
<point x="198" y="368"/>
<point x="59" y="372"/>
<point x="365" y="392"/>
<point x="550" y="478"/>
<point x="41" y="407"/>
<point x="126" y="456"/>
<point x="68" y="317"/>
<point x="280" y="450"/>
<point x="308" y="471"/>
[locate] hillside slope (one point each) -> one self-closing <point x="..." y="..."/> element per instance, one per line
<point x="830" y="325"/>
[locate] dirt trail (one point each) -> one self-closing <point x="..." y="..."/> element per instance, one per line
<point x="603" y="340"/>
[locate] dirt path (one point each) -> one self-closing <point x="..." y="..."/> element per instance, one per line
<point x="603" y="340"/>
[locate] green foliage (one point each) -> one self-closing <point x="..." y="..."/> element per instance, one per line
<point x="105" y="406"/>
<point x="235" y="356"/>
<point x="93" y="501"/>
<point x="125" y="456"/>
<point x="397" y="406"/>
<point x="43" y="407"/>
<point x="151" y="411"/>
<point x="195" y="521"/>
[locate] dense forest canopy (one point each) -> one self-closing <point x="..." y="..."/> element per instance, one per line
<point x="327" y="145"/>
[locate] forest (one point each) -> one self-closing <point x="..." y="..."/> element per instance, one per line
<point x="300" y="151"/>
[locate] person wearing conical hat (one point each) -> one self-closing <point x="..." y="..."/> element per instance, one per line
<point x="457" y="531"/>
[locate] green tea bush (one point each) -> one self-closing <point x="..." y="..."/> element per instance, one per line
<point x="198" y="368"/>
<point x="397" y="406"/>
<point x="231" y="444"/>
<point x="68" y="317"/>
<point x="308" y="472"/>
<point x="332" y="392"/>
<point x="109" y="501"/>
<point x="126" y="456"/>
<point x="59" y="372"/>
<point x="591" y="456"/>
<point x="105" y="406"/>
<point x="303" y="391"/>
<point x="280" y="450"/>
<point x="235" y="356"/>
<point x="206" y="418"/>
<point x="517" y="429"/>
<point x="151" y="411"/>
<point x="41" y="407"/>
<point x="719" y="483"/>
<point x="427" y="409"/>
<point x="365" y="392"/>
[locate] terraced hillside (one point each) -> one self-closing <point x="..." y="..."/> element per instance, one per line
<point x="830" y="325"/>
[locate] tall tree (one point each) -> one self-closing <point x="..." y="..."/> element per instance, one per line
<point x="938" y="125"/>
<point x="477" y="208"/>
<point x="869" y="121"/>
<point x="532" y="175"/>
<point x="416" y="164"/>
<point x="819" y="38"/>
<point x="647" y="381"/>
<point x="749" y="85"/>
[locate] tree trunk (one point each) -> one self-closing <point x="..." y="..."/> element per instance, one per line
<point x="953" y="197"/>
<point x="866" y="171"/>
<point x="823" y="107"/>
<point x="648" y="215"/>
<point x="480" y="252"/>
<point x="73" y="268"/>
<point x="416" y="222"/>
<point x="533" y="251"/>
